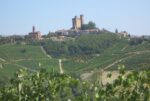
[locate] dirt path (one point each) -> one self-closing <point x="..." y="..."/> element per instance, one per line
<point x="60" y="67"/>
<point x="32" y="70"/>
<point x="86" y="75"/>
<point x="103" y="72"/>
<point x="2" y="59"/>
<point x="131" y="55"/>
<point x="124" y="48"/>
<point x="43" y="50"/>
<point x="27" y="59"/>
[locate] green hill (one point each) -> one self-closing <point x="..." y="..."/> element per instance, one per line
<point x="14" y="57"/>
<point x="100" y="51"/>
<point x="84" y="54"/>
<point x="15" y="52"/>
<point x="131" y="56"/>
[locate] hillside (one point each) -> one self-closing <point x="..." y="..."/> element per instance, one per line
<point x="85" y="54"/>
<point x="15" y="56"/>
<point x="121" y="53"/>
<point x="104" y="50"/>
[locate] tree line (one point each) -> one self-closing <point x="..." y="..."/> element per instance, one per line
<point x="82" y="45"/>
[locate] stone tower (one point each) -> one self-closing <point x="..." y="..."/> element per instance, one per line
<point x="77" y="22"/>
<point x="82" y="19"/>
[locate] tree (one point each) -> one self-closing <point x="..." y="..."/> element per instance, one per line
<point x="23" y="50"/>
<point x="50" y="34"/>
<point x="90" y="25"/>
<point x="116" y="31"/>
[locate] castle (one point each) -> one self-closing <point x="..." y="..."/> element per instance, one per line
<point x="77" y="22"/>
<point x="35" y="34"/>
<point x="76" y="29"/>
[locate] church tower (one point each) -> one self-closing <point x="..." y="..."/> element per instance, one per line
<point x="33" y="29"/>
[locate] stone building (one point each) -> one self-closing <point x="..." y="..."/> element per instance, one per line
<point x="61" y="32"/>
<point x="35" y="34"/>
<point x="123" y="34"/>
<point x="77" y="22"/>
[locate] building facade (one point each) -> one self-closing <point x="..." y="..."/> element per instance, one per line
<point x="123" y="34"/>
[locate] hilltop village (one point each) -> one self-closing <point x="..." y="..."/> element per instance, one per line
<point x="78" y="28"/>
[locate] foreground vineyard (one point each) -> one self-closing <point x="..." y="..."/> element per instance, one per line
<point x="43" y="86"/>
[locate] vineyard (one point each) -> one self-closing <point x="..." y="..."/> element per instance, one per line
<point x="88" y="62"/>
<point x="81" y="55"/>
<point x="44" y="86"/>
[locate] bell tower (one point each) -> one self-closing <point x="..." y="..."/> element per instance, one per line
<point x="33" y="29"/>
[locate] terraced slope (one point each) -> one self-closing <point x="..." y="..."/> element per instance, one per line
<point x="31" y="57"/>
<point x="14" y="57"/>
<point x="133" y="57"/>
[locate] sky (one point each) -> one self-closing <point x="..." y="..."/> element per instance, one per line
<point x="18" y="16"/>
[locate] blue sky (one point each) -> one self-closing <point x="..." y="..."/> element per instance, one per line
<point x="18" y="16"/>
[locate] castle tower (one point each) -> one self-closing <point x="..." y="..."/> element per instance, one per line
<point x="74" y="22"/>
<point x="33" y="29"/>
<point x="77" y="22"/>
<point x="82" y="19"/>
